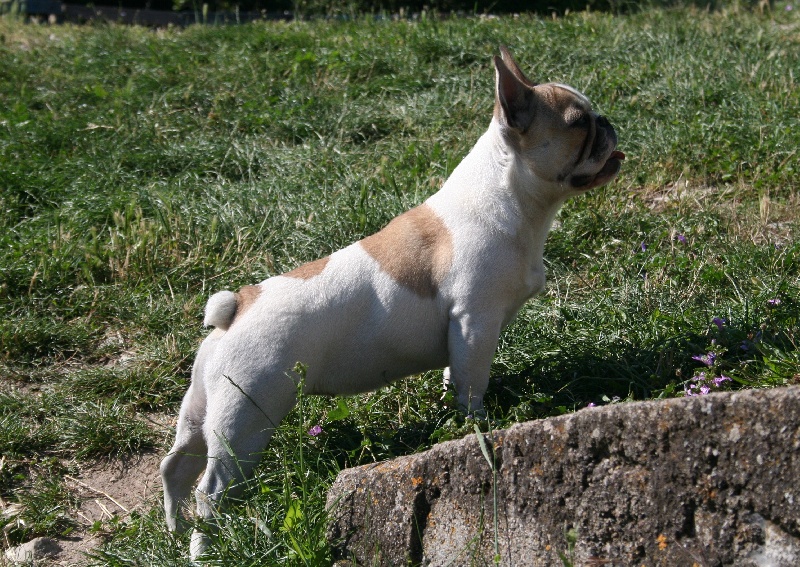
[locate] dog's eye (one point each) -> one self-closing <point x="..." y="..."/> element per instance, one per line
<point x="581" y="121"/>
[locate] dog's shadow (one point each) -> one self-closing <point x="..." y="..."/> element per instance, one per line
<point x="556" y="384"/>
<point x="548" y="387"/>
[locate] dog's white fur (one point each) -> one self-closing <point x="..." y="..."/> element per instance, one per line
<point x="432" y="289"/>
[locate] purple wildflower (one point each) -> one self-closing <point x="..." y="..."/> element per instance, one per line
<point x="680" y="238"/>
<point x="707" y="359"/>
<point x="718" y="380"/>
<point x="590" y="405"/>
<point x="314" y="431"/>
<point x="774" y="302"/>
<point x="688" y="390"/>
<point x="704" y="390"/>
<point x="719" y="322"/>
<point x="643" y="246"/>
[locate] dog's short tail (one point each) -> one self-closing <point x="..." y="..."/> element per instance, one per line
<point x="220" y="310"/>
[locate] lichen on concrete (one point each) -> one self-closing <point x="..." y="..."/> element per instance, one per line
<point x="708" y="480"/>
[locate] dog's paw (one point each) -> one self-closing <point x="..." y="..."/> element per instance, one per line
<point x="477" y="415"/>
<point x="198" y="546"/>
<point x="446" y="382"/>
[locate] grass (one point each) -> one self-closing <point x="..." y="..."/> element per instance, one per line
<point x="142" y="170"/>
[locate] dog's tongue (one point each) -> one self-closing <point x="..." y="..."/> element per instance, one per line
<point x="616" y="154"/>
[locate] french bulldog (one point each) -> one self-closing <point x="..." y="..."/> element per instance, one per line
<point x="432" y="289"/>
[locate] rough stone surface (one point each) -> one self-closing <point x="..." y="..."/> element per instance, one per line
<point x="709" y="480"/>
<point x="34" y="551"/>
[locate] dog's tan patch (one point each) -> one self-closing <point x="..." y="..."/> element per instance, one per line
<point x="415" y="249"/>
<point x="309" y="270"/>
<point x="245" y="298"/>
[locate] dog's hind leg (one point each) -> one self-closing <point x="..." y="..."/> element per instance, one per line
<point x="187" y="458"/>
<point x="237" y="432"/>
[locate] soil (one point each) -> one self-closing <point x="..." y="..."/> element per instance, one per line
<point x="113" y="488"/>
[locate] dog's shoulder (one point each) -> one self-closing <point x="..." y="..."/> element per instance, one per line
<point x="415" y="249"/>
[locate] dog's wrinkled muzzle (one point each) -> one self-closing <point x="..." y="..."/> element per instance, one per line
<point x="608" y="172"/>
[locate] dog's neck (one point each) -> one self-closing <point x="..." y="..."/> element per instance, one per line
<point x="493" y="186"/>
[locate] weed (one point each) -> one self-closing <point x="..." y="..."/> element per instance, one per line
<point x="492" y="465"/>
<point x="571" y="538"/>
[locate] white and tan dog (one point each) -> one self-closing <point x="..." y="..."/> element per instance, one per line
<point x="434" y="288"/>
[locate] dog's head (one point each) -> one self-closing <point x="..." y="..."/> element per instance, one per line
<point x="553" y="128"/>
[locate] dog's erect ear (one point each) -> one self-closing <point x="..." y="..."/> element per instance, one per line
<point x="513" y="67"/>
<point x="514" y="104"/>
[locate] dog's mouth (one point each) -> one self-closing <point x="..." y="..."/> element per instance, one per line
<point x="611" y="167"/>
<point x="608" y="172"/>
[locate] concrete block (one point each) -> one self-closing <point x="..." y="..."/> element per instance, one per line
<point x="707" y="480"/>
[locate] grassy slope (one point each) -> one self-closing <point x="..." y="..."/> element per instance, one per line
<point x="140" y="171"/>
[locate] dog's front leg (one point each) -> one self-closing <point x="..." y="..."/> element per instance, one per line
<point x="472" y="341"/>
